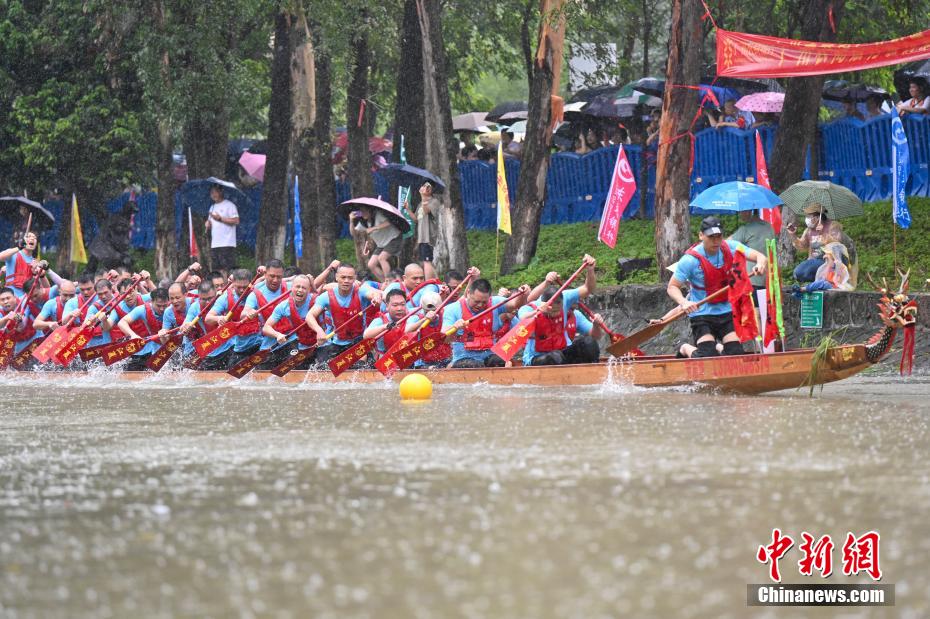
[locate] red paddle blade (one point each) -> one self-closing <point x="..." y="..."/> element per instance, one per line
<point x="43" y="353"/>
<point x="20" y="360"/>
<point x="214" y="339"/>
<point x="94" y="352"/>
<point x="7" y="348"/>
<point x="514" y="340"/>
<point x="294" y="360"/>
<point x="249" y="363"/>
<point x="414" y="350"/>
<point x="161" y="356"/>
<point x="387" y="364"/>
<point x="616" y="337"/>
<point x="347" y="358"/>
<point x="120" y="350"/>
<point x="67" y="352"/>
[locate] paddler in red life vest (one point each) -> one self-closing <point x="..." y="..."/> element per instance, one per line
<point x="287" y="315"/>
<point x="101" y="332"/>
<point x="52" y="312"/>
<point x="471" y="345"/>
<point x="178" y="304"/>
<point x="216" y="318"/>
<point x="555" y="340"/>
<point x="709" y="266"/>
<point x="143" y="321"/>
<point x="340" y="307"/>
<point x="413" y="284"/>
<point x="190" y="279"/>
<point x="18" y="324"/>
<point x="272" y="286"/>
<point x="441" y="355"/>
<point x="205" y="295"/>
<point x="453" y="279"/>
<point x="132" y="301"/>
<point x="19" y="263"/>
<point x="396" y="302"/>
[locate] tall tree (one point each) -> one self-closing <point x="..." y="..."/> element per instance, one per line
<point x="272" y="221"/>
<point x="679" y="105"/>
<point x="321" y="148"/>
<point x="451" y="248"/>
<point x="303" y="123"/>
<point x="531" y="187"/>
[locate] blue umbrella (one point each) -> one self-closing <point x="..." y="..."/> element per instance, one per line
<point x="409" y="176"/>
<point x="195" y="195"/>
<point x="733" y="197"/>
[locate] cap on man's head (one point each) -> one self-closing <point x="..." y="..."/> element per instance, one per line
<point x="430" y="300"/>
<point x="710" y="226"/>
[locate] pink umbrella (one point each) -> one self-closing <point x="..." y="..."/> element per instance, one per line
<point x="762" y="102"/>
<point x="253" y="164"/>
<point x="396" y="217"/>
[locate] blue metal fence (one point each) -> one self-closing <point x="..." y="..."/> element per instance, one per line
<point x="852" y="153"/>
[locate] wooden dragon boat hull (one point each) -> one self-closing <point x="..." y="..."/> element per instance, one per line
<point x="745" y="374"/>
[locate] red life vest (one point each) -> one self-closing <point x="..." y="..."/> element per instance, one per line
<point x="179" y="316"/>
<point x="390" y="338"/>
<point x="429" y="282"/>
<point x="230" y="302"/>
<point x="28" y="331"/>
<point x="372" y="311"/>
<point x="152" y="323"/>
<point x="305" y="334"/>
<point x="715" y="278"/>
<point x="59" y="309"/>
<point x="93" y="308"/>
<point x="442" y="351"/>
<point x="254" y="326"/>
<point x="478" y="335"/>
<point x="22" y="271"/>
<point x="550" y="332"/>
<point x="137" y="326"/>
<point x="341" y="314"/>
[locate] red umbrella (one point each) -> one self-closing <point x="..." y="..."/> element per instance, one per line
<point x="388" y="209"/>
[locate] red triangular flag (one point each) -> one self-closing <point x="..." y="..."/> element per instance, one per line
<point x="193" y="250"/>
<point x="771" y="215"/>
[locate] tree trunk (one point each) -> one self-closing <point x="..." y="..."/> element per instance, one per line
<point x="408" y="110"/>
<point x="303" y="119"/>
<point x="166" y="242"/>
<point x="626" y="47"/>
<point x="321" y="148"/>
<point x="451" y="248"/>
<point x="270" y="240"/>
<point x="802" y="101"/>
<point x="358" y="159"/>
<point x="679" y="105"/>
<point x="647" y="34"/>
<point x="534" y="165"/>
<point x="206" y="136"/>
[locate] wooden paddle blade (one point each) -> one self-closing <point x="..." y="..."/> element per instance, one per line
<point x="249" y="363"/>
<point x="69" y="350"/>
<point x="214" y="339"/>
<point x="349" y="357"/>
<point x="616" y="337"/>
<point x="514" y="340"/>
<point x="161" y="356"/>
<point x="43" y="353"/>
<point x="388" y="363"/>
<point x="295" y="359"/>
<point x="22" y="357"/>
<point x="121" y="350"/>
<point x="630" y="343"/>
<point x="410" y="354"/>
<point x="7" y="349"/>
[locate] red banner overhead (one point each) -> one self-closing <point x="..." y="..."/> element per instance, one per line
<point x="755" y="55"/>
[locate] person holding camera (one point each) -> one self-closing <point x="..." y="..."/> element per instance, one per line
<point x="383" y="241"/>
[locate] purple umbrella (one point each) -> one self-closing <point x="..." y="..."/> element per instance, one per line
<point x="396" y="217"/>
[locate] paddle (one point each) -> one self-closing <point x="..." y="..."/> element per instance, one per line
<point x="614" y="337"/>
<point x="7" y="343"/>
<point x="507" y="346"/>
<point x="70" y="348"/>
<point x="161" y="356"/>
<point x="43" y="353"/>
<point x="209" y="342"/>
<point x="627" y="345"/>
<point x="344" y="360"/>
<point x="23" y="356"/>
<point x="117" y="351"/>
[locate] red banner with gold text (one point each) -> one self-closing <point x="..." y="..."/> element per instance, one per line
<point x="756" y="55"/>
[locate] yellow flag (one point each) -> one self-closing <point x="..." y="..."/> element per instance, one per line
<point x="77" y="237"/>
<point x="503" y="197"/>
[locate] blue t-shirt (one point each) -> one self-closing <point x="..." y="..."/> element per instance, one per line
<point x="49" y="310"/>
<point x="73" y="305"/>
<point x="170" y="322"/>
<point x="452" y="313"/>
<point x="281" y="311"/>
<point x="244" y="342"/>
<point x="322" y="301"/>
<point x="689" y="270"/>
<point x="414" y="302"/>
<point x="221" y="308"/>
<point x="570" y="298"/>
<point x="139" y="313"/>
<point x="11" y="268"/>
<point x="192" y="312"/>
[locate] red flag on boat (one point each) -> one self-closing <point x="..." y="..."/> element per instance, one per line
<point x="744" y="313"/>
<point x="771" y="215"/>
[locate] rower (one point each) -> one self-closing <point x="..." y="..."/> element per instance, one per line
<point x="555" y="340"/>
<point x="249" y="339"/>
<point x="132" y="301"/>
<point x="190" y="279"/>
<point x="286" y="316"/>
<point x="709" y="266"/>
<point x="453" y="279"/>
<point x="143" y="321"/>
<point x="340" y="306"/>
<point x="217" y="279"/>
<point x="396" y="302"/>
<point x="53" y="310"/>
<point x="103" y="293"/>
<point x="219" y="359"/>
<point x="471" y="344"/>
<point x="206" y="293"/>
<point x="413" y="284"/>
<point x="18" y="324"/>
<point x="19" y="263"/>
<point x="179" y="302"/>
<point x="439" y="356"/>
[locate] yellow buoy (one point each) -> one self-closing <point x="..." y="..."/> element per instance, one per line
<point x="416" y="387"/>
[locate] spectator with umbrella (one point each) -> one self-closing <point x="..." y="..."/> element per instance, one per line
<point x="383" y="237"/>
<point x="919" y="103"/>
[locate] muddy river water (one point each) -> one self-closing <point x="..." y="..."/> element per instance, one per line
<point x="169" y="497"/>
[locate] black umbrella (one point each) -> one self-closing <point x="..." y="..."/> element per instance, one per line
<point x="918" y="71"/>
<point x="409" y="176"/>
<point x="390" y="211"/>
<point x="588" y="94"/>
<point x="855" y="92"/>
<point x="744" y="85"/>
<point x="41" y="217"/>
<point x="502" y="108"/>
<point x="649" y="85"/>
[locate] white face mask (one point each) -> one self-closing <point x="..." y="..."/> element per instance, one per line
<point x="811" y="221"/>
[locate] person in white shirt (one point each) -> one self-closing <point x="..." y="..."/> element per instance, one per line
<point x="919" y="103"/>
<point x="222" y="221"/>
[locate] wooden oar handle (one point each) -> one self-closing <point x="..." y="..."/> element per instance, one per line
<point x="706" y="299"/>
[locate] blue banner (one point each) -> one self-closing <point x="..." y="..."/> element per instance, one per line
<point x="298" y="228"/>
<point x="900" y="169"/>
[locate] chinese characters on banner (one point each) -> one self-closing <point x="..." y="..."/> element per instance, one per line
<point x="622" y="186"/>
<point x="860" y="554"/>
